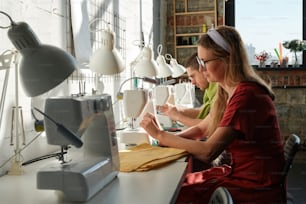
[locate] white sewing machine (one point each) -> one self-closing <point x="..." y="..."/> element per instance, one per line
<point x="162" y="95"/>
<point x="135" y="102"/>
<point x="96" y="163"/>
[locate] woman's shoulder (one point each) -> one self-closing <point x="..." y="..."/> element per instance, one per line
<point x="249" y="86"/>
<point x="249" y="93"/>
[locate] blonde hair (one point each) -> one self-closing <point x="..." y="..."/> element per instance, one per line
<point x="238" y="70"/>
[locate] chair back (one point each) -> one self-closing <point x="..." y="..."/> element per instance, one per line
<point x="290" y="149"/>
<point x="221" y="196"/>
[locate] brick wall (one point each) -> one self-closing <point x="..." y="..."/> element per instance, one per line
<point x="290" y="90"/>
<point x="291" y="109"/>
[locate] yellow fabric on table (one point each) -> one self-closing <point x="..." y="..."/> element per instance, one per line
<point x="145" y="157"/>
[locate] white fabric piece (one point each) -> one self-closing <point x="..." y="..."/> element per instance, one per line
<point x="81" y="32"/>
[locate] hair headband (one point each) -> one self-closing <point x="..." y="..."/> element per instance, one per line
<point x="218" y="39"/>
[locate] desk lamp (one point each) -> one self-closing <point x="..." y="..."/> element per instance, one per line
<point x="42" y="67"/>
<point x="106" y="60"/>
<point x="164" y="69"/>
<point x="143" y="65"/>
<point x="177" y="69"/>
<point x="97" y="163"/>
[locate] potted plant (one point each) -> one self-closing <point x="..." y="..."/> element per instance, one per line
<point x="262" y="57"/>
<point x="294" y="46"/>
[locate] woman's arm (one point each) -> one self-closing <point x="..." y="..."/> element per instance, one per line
<point x="198" y="131"/>
<point x="179" y="114"/>
<point x="190" y="112"/>
<point x="187" y="120"/>
<point x="206" y="151"/>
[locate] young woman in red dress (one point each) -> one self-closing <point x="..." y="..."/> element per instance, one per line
<point x="242" y="121"/>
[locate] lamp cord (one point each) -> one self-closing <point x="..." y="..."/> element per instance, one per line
<point x="9" y="17"/>
<point x="51" y="119"/>
<point x="34" y="116"/>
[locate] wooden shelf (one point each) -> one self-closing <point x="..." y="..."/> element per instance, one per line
<point x="189" y="18"/>
<point x="194" y="13"/>
<point x="188" y="34"/>
<point x="185" y="46"/>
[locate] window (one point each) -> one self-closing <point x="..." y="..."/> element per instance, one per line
<point x="263" y="24"/>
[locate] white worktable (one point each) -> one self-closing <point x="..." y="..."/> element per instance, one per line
<point x="158" y="186"/>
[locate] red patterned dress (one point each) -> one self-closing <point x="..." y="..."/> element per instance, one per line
<point x="257" y="156"/>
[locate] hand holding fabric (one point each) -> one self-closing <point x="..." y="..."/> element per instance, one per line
<point x="150" y="125"/>
<point x="169" y="110"/>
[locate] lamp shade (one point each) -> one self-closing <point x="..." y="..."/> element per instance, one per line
<point x="42" y="67"/>
<point x="145" y="66"/>
<point x="163" y="69"/>
<point x="106" y="60"/>
<point x="177" y="69"/>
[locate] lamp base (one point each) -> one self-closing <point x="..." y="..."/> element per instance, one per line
<point x="16" y="168"/>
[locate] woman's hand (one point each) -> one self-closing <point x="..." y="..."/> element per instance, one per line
<point x="150" y="125"/>
<point x="169" y="110"/>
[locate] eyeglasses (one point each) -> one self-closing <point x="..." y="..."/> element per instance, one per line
<point x="202" y="63"/>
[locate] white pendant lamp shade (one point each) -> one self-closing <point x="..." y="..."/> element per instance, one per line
<point x="163" y="69"/>
<point x="106" y="60"/>
<point x="145" y="66"/>
<point x="177" y="69"/>
<point x="42" y="67"/>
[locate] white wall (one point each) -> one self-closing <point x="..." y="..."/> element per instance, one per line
<point x="131" y="10"/>
<point x="48" y="19"/>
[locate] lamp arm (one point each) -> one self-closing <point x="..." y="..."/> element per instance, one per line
<point x="126" y="81"/>
<point x="5" y="64"/>
<point x="146" y="79"/>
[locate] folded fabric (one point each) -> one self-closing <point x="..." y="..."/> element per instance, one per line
<point x="145" y="157"/>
